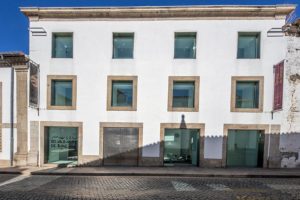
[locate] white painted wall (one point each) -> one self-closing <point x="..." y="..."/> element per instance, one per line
<point x="153" y="62"/>
<point x="5" y="78"/>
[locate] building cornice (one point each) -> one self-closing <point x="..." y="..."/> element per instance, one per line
<point x="207" y="12"/>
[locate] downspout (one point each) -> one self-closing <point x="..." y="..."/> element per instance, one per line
<point x="12" y="90"/>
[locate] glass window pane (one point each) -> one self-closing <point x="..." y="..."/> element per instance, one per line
<point x="122" y="93"/>
<point x="247" y="94"/>
<point x="248" y="45"/>
<point x="62" y="45"/>
<point x="181" y="146"/>
<point x="185" y="45"/>
<point x="61" y="145"/>
<point x="123" y="45"/>
<point x="61" y="93"/>
<point x="243" y="148"/>
<point x="183" y="94"/>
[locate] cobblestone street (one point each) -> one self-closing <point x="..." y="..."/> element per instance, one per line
<point x="112" y="187"/>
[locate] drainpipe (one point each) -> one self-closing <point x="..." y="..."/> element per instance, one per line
<point x="12" y="90"/>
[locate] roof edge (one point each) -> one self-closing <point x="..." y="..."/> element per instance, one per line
<point x="159" y="12"/>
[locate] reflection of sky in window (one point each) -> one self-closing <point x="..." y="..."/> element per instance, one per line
<point x="185" y="46"/>
<point x="122" y="93"/>
<point x="247" y="94"/>
<point x="183" y="94"/>
<point x="61" y="93"/>
<point x="123" y="46"/>
<point x="63" y="46"/>
<point x="248" y="46"/>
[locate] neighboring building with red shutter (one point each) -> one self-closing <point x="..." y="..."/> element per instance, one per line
<point x="208" y="86"/>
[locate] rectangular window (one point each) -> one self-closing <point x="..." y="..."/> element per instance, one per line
<point x="123" y="45"/>
<point x="183" y="93"/>
<point x="62" y="92"/>
<point x="248" y="45"/>
<point x="247" y="94"/>
<point x="185" y="45"/>
<point x="122" y="93"/>
<point x="62" y="45"/>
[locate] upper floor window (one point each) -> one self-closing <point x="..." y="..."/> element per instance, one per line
<point x="247" y="94"/>
<point x="62" y="45"/>
<point x="122" y="93"/>
<point x="61" y="92"/>
<point x="248" y="45"/>
<point x="123" y="45"/>
<point x="185" y="45"/>
<point x="183" y="93"/>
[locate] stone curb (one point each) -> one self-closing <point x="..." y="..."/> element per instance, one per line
<point x="171" y="174"/>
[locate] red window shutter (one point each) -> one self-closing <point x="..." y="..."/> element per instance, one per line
<point x="278" y="85"/>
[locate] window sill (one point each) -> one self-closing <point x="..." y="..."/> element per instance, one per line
<point x="121" y="108"/>
<point x="171" y="109"/>
<point x="61" y="107"/>
<point x="247" y="110"/>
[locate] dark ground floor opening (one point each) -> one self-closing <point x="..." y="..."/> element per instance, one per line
<point x="120" y="146"/>
<point x="181" y="147"/>
<point x="245" y="148"/>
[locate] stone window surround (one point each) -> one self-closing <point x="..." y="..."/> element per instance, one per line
<point x="52" y="40"/>
<point x="196" y="80"/>
<point x="263" y="127"/>
<point x="199" y="126"/>
<point x="73" y="78"/>
<point x="103" y="125"/>
<point x="234" y="80"/>
<point x="134" y="80"/>
<point x="44" y="124"/>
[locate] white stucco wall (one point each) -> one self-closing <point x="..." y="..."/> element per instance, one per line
<point x="5" y="78"/>
<point x="153" y="62"/>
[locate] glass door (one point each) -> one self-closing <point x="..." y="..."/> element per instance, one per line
<point x="181" y="146"/>
<point x="245" y="148"/>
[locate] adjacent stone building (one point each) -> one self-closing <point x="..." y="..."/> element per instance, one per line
<point x="209" y="86"/>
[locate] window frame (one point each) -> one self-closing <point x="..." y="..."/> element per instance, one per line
<point x="193" y="32"/>
<point x="249" y="33"/>
<point x="52" y="44"/>
<point x="113" y="45"/>
<point x="172" y="79"/>
<point x="234" y="80"/>
<point x="110" y="80"/>
<point x="72" y="78"/>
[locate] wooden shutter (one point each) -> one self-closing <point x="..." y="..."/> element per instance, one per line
<point x="278" y="85"/>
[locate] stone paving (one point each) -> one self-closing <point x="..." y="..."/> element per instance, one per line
<point x="139" y="187"/>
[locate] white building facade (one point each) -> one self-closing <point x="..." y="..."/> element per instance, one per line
<point x="150" y="86"/>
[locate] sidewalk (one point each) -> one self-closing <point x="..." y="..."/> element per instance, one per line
<point x="157" y="171"/>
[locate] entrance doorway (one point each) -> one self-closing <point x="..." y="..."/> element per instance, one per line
<point x="121" y="146"/>
<point x="61" y="145"/>
<point x="181" y="147"/>
<point x="245" y="148"/>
